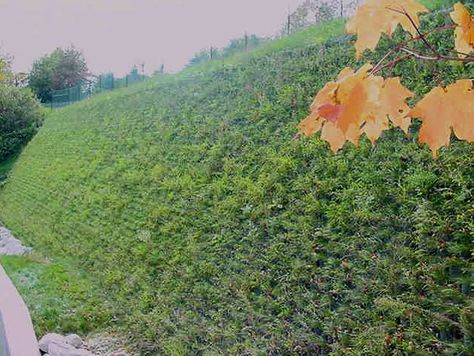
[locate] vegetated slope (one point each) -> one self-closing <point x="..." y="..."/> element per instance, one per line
<point x="205" y="227"/>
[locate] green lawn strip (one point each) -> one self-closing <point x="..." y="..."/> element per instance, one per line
<point x="58" y="300"/>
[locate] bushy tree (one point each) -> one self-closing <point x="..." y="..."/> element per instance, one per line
<point x="311" y="12"/>
<point x="20" y="117"/>
<point x="62" y="69"/>
<point x="200" y="57"/>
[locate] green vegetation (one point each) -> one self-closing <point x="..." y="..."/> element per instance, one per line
<point x="198" y="224"/>
<point x="6" y="166"/>
<point x="306" y="37"/>
<point x="20" y="118"/>
<point x="62" y="69"/>
<point x="58" y="299"/>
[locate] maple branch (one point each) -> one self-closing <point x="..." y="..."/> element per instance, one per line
<point x="437" y="58"/>
<point x="462" y="53"/>
<point x="418" y="55"/>
<point x="391" y="63"/>
<point x="421" y="36"/>
<point x="376" y="68"/>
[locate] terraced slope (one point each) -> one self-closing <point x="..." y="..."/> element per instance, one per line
<point x="197" y="222"/>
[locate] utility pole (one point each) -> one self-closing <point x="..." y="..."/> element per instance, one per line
<point x="246" y="41"/>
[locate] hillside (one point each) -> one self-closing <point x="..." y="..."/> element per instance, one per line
<point x="184" y="212"/>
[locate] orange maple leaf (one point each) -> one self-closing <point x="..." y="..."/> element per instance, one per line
<point x="357" y="103"/>
<point x="375" y="17"/>
<point x="464" y="32"/>
<point x="443" y="110"/>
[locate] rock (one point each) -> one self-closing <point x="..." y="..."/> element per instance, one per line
<point x="10" y="246"/>
<point x="74" y="340"/>
<point x="49" y="339"/>
<point x="64" y="349"/>
<point x="104" y="344"/>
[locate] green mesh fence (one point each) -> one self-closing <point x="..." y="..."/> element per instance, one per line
<point x="105" y="82"/>
<point x="68" y="96"/>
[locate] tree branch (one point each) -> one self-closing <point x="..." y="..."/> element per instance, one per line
<point x="421" y="36"/>
<point x="391" y="63"/>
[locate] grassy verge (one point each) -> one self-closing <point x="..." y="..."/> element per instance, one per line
<point x="58" y="299"/>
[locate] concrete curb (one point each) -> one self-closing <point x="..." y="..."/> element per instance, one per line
<point x="17" y="337"/>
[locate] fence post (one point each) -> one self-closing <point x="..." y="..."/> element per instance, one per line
<point x="342" y="8"/>
<point x="289" y="25"/>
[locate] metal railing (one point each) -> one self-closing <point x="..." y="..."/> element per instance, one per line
<point x="101" y="83"/>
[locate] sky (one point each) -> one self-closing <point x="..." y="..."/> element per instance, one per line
<point x="116" y="34"/>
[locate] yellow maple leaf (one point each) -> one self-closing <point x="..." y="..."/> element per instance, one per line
<point x="464" y="32"/>
<point x="393" y="101"/>
<point x="356" y="103"/>
<point x="444" y="110"/>
<point x="375" y="17"/>
<point x="311" y="124"/>
<point x="333" y="135"/>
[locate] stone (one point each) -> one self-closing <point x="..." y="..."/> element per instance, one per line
<point x="64" y="349"/>
<point x="49" y="339"/>
<point x="10" y="246"/>
<point x="74" y="340"/>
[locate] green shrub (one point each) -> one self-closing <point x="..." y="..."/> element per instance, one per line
<point x="20" y="118"/>
<point x="203" y="227"/>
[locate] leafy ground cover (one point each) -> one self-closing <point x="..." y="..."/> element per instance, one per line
<point x="184" y="212"/>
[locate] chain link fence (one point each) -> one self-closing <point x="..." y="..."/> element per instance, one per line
<point x="99" y="84"/>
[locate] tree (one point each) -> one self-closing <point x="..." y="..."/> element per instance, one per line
<point x="316" y="11"/>
<point x="20" y="118"/>
<point x="20" y="112"/>
<point x="62" y="69"/>
<point x="5" y="68"/>
<point x="362" y="102"/>
<point x="200" y="57"/>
